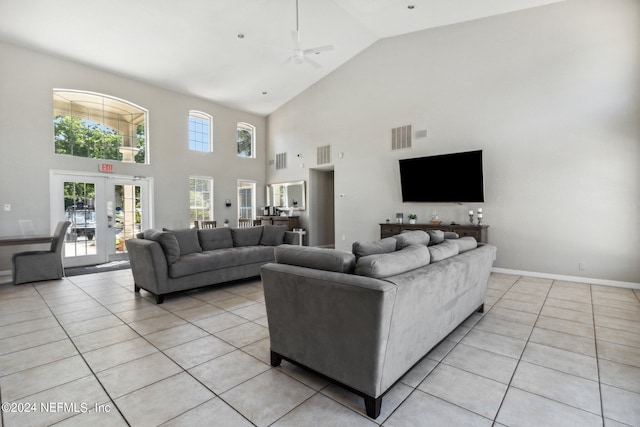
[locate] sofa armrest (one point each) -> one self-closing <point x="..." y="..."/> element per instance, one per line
<point x="328" y="321"/>
<point x="291" y="238"/>
<point x="148" y="265"/>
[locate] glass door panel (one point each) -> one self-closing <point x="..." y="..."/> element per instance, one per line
<point x="79" y="200"/>
<point x="128" y="214"/>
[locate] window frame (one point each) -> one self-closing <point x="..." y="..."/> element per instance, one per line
<point x="110" y="109"/>
<point x="252" y="129"/>
<point x="192" y="206"/>
<point x="242" y="183"/>
<point x="201" y="115"/>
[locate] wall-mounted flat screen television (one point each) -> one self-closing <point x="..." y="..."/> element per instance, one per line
<point x="455" y="177"/>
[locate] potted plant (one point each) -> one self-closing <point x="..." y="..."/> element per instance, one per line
<point x="412" y="218"/>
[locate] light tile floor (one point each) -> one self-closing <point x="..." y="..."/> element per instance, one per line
<point x="545" y="353"/>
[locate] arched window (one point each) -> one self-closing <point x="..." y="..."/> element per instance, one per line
<point x="246" y="137"/>
<point x="200" y="131"/>
<point x="97" y="126"/>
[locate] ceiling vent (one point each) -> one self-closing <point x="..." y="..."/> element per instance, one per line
<point x="401" y="137"/>
<point x="324" y="155"/>
<point x="281" y="161"/>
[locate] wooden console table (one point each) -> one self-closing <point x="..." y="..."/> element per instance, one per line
<point x="290" y="222"/>
<point x="478" y="232"/>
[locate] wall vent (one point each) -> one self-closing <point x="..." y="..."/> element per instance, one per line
<point x="281" y="161"/>
<point x="324" y="155"/>
<point x="401" y="137"/>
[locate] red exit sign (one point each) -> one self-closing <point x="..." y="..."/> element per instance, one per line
<point x="106" y="167"/>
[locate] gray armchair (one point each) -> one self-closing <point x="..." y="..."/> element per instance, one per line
<point x="40" y="265"/>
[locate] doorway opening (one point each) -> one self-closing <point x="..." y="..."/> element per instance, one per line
<point x="104" y="211"/>
<point x="322" y="207"/>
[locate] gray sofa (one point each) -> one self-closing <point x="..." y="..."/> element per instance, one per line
<point x="363" y="319"/>
<point x="176" y="260"/>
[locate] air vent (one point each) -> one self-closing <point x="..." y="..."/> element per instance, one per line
<point x="324" y="155"/>
<point x="401" y="137"/>
<point x="281" y="161"/>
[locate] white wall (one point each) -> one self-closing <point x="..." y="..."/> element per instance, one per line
<point x="551" y="95"/>
<point x="27" y="153"/>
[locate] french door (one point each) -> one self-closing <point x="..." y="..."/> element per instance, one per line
<point x="104" y="211"/>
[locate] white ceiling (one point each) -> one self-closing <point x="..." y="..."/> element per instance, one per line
<point x="192" y="46"/>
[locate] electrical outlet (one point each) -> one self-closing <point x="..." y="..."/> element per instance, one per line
<point x="344" y="237"/>
<point x="581" y="265"/>
<point x="7" y="207"/>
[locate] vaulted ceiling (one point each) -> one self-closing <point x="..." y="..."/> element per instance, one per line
<point x="232" y="52"/>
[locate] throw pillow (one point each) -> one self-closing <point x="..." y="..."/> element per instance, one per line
<point x="381" y="246"/>
<point x="384" y="265"/>
<point x="168" y="243"/>
<point x="187" y="240"/>
<point x="408" y="238"/>
<point x="249" y="236"/>
<point x="443" y="251"/>
<point x="465" y="243"/>
<point x="435" y="237"/>
<point x="215" y="238"/>
<point x="273" y="235"/>
<point x="317" y="258"/>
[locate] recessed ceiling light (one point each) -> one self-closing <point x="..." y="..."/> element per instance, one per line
<point x="240" y="35"/>
<point x="411" y="6"/>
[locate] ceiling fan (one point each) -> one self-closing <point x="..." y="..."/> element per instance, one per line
<point x="299" y="55"/>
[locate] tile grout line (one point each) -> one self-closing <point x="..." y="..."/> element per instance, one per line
<point x="495" y="418"/>
<point x="161" y="351"/>
<point x="595" y="343"/>
<point x="80" y="353"/>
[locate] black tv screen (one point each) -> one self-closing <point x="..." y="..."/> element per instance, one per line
<point x="445" y="178"/>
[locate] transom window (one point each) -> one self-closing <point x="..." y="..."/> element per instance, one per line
<point x="246" y="199"/>
<point x="200" y="131"/>
<point x="97" y="126"/>
<point x="200" y="198"/>
<point x="246" y="140"/>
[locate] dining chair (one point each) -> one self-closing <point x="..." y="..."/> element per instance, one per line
<point x="207" y="224"/>
<point x="40" y="265"/>
<point x="244" y="223"/>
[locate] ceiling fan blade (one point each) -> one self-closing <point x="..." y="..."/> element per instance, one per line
<point x="318" y="49"/>
<point x="295" y="36"/>
<point x="289" y="60"/>
<point x="311" y="62"/>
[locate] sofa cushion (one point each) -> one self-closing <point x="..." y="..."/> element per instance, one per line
<point x="272" y="235"/>
<point x="451" y="235"/>
<point x="318" y="258"/>
<point x="435" y="237"/>
<point x="465" y="243"/>
<point x="187" y="240"/>
<point x="168" y="243"/>
<point x="384" y="265"/>
<point x="381" y="246"/>
<point x="413" y="237"/>
<point x="215" y="238"/>
<point x="444" y="250"/>
<point x="219" y="259"/>
<point x="249" y="236"/>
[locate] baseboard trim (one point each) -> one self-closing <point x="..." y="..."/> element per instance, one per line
<point x="591" y="281"/>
